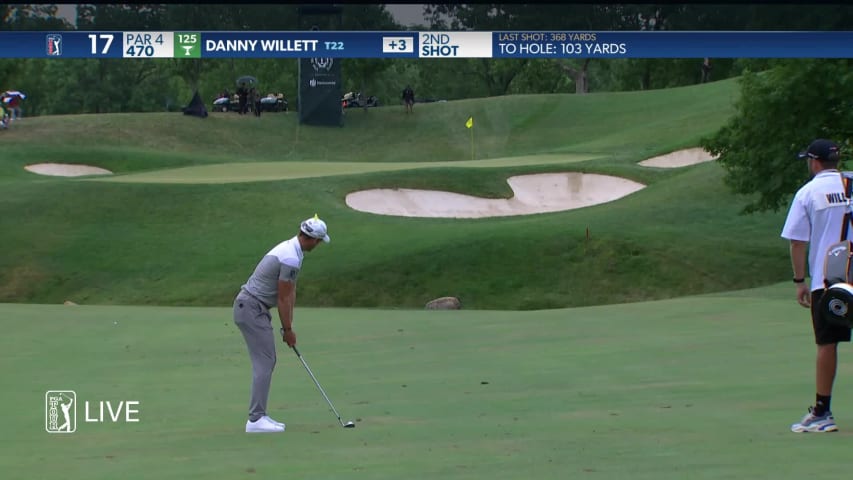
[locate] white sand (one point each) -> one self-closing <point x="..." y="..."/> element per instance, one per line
<point x="680" y="158"/>
<point x="552" y="192"/>
<point x="66" y="170"/>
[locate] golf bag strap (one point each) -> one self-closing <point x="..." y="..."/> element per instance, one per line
<point x="848" y="188"/>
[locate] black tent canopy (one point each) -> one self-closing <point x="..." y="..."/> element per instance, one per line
<point x="196" y="107"/>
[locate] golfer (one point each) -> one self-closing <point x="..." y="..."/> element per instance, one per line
<point x="815" y="222"/>
<point x="66" y="412"/>
<point x="273" y="284"/>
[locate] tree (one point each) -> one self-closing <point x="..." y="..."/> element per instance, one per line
<point x="494" y="76"/>
<point x="362" y="73"/>
<point x="129" y="17"/>
<point x="31" y="17"/>
<point x="520" y="17"/>
<point x="779" y="112"/>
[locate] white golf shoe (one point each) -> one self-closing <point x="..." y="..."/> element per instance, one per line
<point x="264" y="425"/>
<point x="275" y="421"/>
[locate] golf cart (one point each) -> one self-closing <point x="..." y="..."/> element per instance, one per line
<point x="355" y="100"/>
<point x="228" y="103"/>
<point x="274" y="102"/>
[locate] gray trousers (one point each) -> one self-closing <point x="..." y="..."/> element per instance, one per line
<point x="254" y="320"/>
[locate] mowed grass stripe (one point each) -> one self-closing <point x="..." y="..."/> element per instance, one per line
<point x="699" y="387"/>
<point x="268" y="171"/>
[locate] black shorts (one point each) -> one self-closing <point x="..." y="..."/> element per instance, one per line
<point x="824" y="332"/>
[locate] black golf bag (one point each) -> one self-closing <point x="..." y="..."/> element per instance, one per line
<point x="836" y="303"/>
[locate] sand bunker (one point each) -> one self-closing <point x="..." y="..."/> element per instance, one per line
<point x="551" y="192"/>
<point x="680" y="158"/>
<point x="66" y="170"/>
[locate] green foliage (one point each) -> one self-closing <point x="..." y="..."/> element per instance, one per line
<point x="779" y="112"/>
<point x="31" y="17"/>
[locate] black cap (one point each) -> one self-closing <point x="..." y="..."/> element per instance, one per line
<point x="820" y="149"/>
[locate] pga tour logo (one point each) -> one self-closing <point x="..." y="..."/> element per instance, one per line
<point x="60" y="411"/>
<point x="53" y="45"/>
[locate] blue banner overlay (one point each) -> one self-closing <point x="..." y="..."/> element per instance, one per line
<point x="672" y="44"/>
<point x="405" y="44"/>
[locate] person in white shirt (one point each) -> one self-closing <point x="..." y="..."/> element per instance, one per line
<point x="273" y="283"/>
<point x="815" y="221"/>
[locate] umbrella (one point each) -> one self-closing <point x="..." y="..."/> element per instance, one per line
<point x="247" y="81"/>
<point x="14" y="93"/>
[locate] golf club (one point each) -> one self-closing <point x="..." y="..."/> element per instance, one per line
<point x="349" y="424"/>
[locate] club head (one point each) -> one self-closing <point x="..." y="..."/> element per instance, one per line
<point x="349" y="424"/>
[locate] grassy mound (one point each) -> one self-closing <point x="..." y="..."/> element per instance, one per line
<point x="178" y="244"/>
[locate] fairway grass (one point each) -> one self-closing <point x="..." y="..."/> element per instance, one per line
<point x="268" y="171"/>
<point x="700" y="387"/>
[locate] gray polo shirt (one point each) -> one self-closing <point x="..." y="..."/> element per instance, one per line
<point x="281" y="263"/>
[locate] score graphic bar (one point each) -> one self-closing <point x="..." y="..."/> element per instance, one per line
<point x="148" y="45"/>
<point x="411" y="44"/>
<point x="398" y="44"/>
<point x="187" y="44"/>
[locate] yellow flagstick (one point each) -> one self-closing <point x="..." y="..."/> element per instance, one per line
<point x="470" y="125"/>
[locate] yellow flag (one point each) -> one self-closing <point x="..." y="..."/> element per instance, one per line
<point x="470" y="122"/>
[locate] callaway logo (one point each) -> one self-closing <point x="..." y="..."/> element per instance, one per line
<point x="838" y="307"/>
<point x="838" y="250"/>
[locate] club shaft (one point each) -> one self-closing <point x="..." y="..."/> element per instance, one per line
<point x="304" y="364"/>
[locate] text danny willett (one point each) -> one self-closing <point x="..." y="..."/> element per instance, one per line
<point x="276" y="45"/>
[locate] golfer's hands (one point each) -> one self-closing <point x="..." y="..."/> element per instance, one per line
<point x="804" y="296"/>
<point x="289" y="337"/>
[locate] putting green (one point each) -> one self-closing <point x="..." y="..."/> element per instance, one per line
<point x="267" y="171"/>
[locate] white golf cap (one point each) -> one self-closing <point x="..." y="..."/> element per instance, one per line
<point x="315" y="228"/>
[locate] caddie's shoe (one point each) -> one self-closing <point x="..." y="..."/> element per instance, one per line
<point x="817" y="424"/>
<point x="275" y="421"/>
<point x="263" y="425"/>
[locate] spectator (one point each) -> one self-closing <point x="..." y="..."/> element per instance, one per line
<point x="706" y="70"/>
<point x="409" y="99"/>
<point x="256" y="101"/>
<point x="12" y="100"/>
<point x="243" y="94"/>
